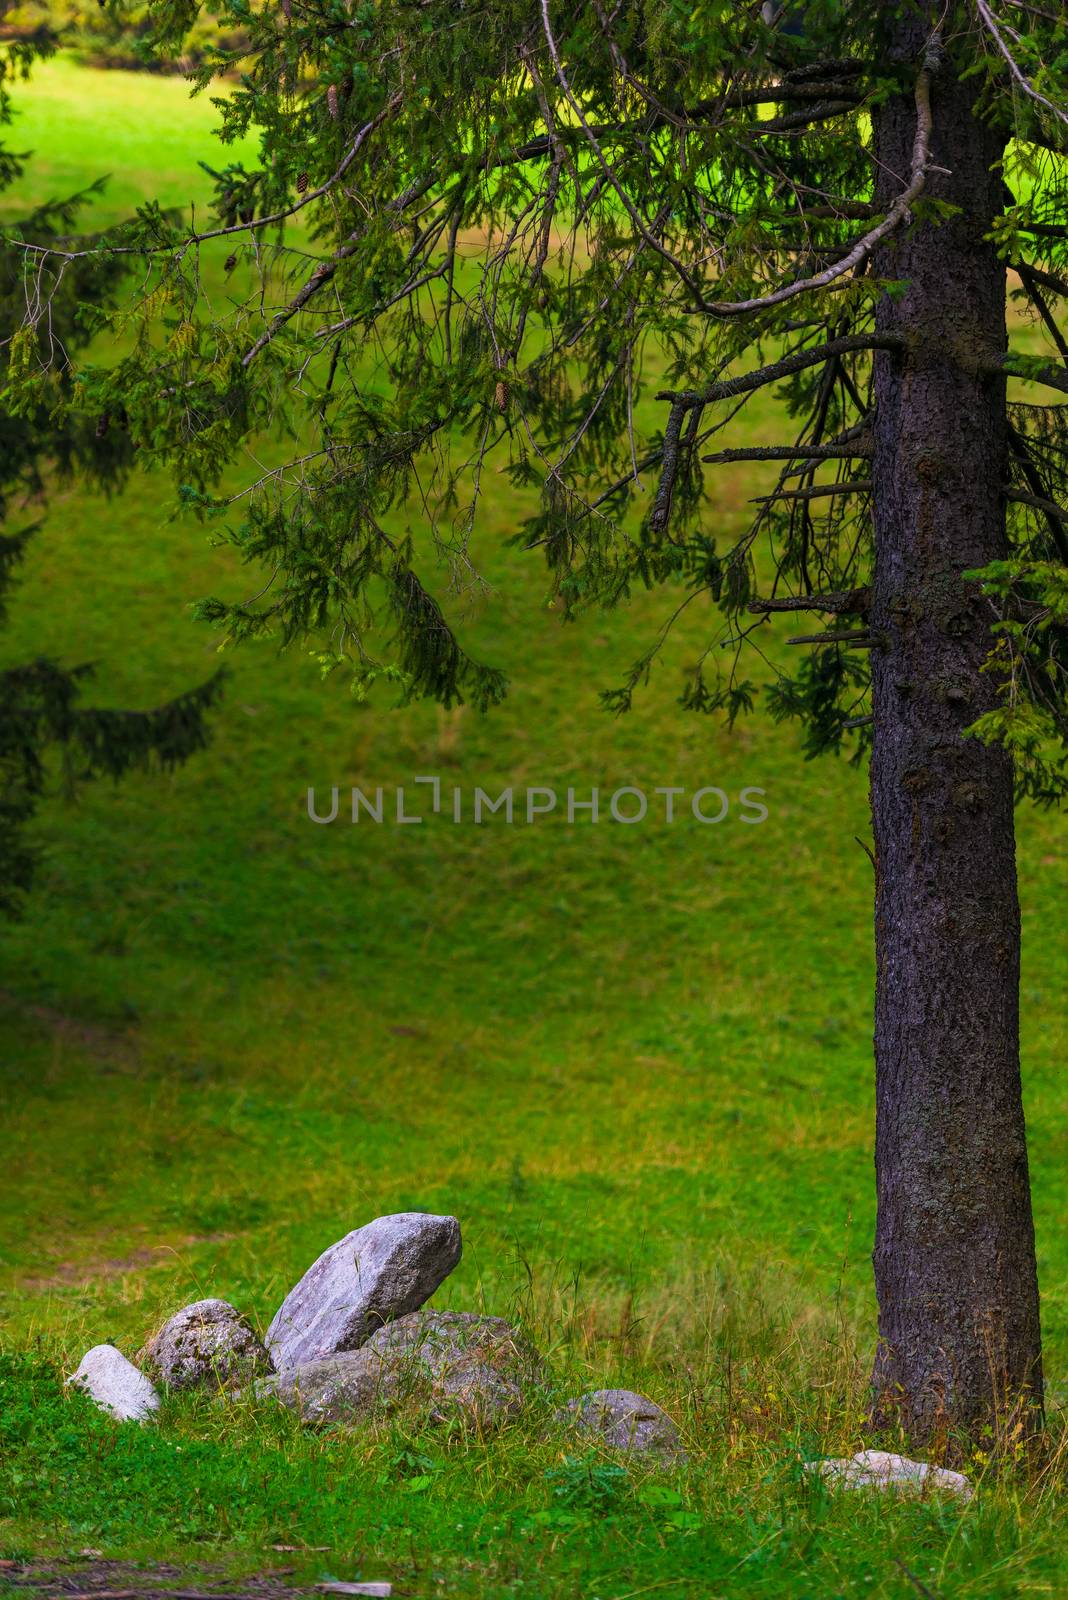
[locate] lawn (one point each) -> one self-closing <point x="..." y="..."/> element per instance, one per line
<point x="635" y="1062"/>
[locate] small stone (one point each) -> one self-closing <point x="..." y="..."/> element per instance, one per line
<point x="375" y="1274"/>
<point x="625" y="1421"/>
<point x="208" y="1344"/>
<point x="115" y="1384"/>
<point x="881" y="1469"/>
<point x="381" y="1589"/>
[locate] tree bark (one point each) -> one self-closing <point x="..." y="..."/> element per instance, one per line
<point x="954" y="1249"/>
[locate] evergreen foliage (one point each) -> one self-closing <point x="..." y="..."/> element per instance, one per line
<point x="48" y="433"/>
<point x="524" y="218"/>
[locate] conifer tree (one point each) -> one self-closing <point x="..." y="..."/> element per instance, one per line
<point x="45" y="435"/>
<point x="524" y="221"/>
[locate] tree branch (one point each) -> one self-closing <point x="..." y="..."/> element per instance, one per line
<point x="859" y="641"/>
<point x="1018" y="446"/>
<point x="817" y="491"/>
<point x="1052" y="377"/>
<point x="864" y="246"/>
<point x="990" y="24"/>
<point x="843" y="603"/>
<point x="795" y="452"/>
<point x="1029" y="279"/>
<point x="250" y="226"/>
<point x="1039" y="502"/>
<point x="727" y="388"/>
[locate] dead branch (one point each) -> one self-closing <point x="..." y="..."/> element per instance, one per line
<point x="842" y="603"/>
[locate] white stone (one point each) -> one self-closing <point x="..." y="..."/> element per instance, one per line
<point x="375" y="1274"/>
<point x="882" y="1469"/>
<point x="115" y="1384"/>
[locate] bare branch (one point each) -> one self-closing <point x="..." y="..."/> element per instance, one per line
<point x="1039" y="502"/>
<point x="1046" y="280"/>
<point x="817" y="491"/>
<point x="793" y="452"/>
<point x="1018" y="446"/>
<point x="251" y="225"/>
<point x="843" y="603"/>
<point x="858" y="641"/>
<point x="669" y="470"/>
<point x="1029" y="279"/>
<point x="727" y="388"/>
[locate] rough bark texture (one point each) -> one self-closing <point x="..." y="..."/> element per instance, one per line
<point x="954" y="1250"/>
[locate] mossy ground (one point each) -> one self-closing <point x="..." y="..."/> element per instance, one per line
<point x="635" y="1062"/>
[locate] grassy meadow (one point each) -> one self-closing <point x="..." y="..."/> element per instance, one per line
<point x="634" y="1061"/>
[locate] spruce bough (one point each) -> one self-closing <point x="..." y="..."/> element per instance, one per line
<point x="48" y="432"/>
<point x="528" y="218"/>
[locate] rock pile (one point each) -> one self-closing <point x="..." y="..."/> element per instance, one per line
<point x="353" y="1340"/>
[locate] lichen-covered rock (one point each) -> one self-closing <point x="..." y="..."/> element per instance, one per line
<point x="437" y="1364"/>
<point x="115" y="1384"/>
<point x="882" y="1469"/>
<point x="625" y="1421"/>
<point x="208" y="1344"/>
<point x="478" y="1367"/>
<point x="477" y="1395"/>
<point x="342" y="1388"/>
<point x="441" y="1339"/>
<point x="375" y="1274"/>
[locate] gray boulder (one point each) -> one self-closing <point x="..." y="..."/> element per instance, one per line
<point x="343" y="1388"/>
<point x="882" y="1469"/>
<point x="206" y="1345"/>
<point x="477" y="1367"/>
<point x="625" y="1421"/>
<point x="477" y="1395"/>
<point x="436" y="1363"/>
<point x="115" y="1384"/>
<point x="373" y="1275"/>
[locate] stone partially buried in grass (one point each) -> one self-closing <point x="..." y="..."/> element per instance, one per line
<point x="438" y="1364"/>
<point x="478" y="1367"/>
<point x="208" y="1344"/>
<point x="375" y="1274"/>
<point x="115" y="1384"/>
<point x="881" y="1469"/>
<point x="349" y="1387"/>
<point x="625" y="1421"/>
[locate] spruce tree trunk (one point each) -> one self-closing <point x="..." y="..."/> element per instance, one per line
<point x="954" y="1250"/>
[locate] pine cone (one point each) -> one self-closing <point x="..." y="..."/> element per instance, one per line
<point x="331" y="101"/>
<point x="230" y="263"/>
<point x="302" y="182"/>
<point x="501" y="395"/>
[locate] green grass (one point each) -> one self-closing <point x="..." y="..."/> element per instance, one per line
<point x="635" y="1062"/>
